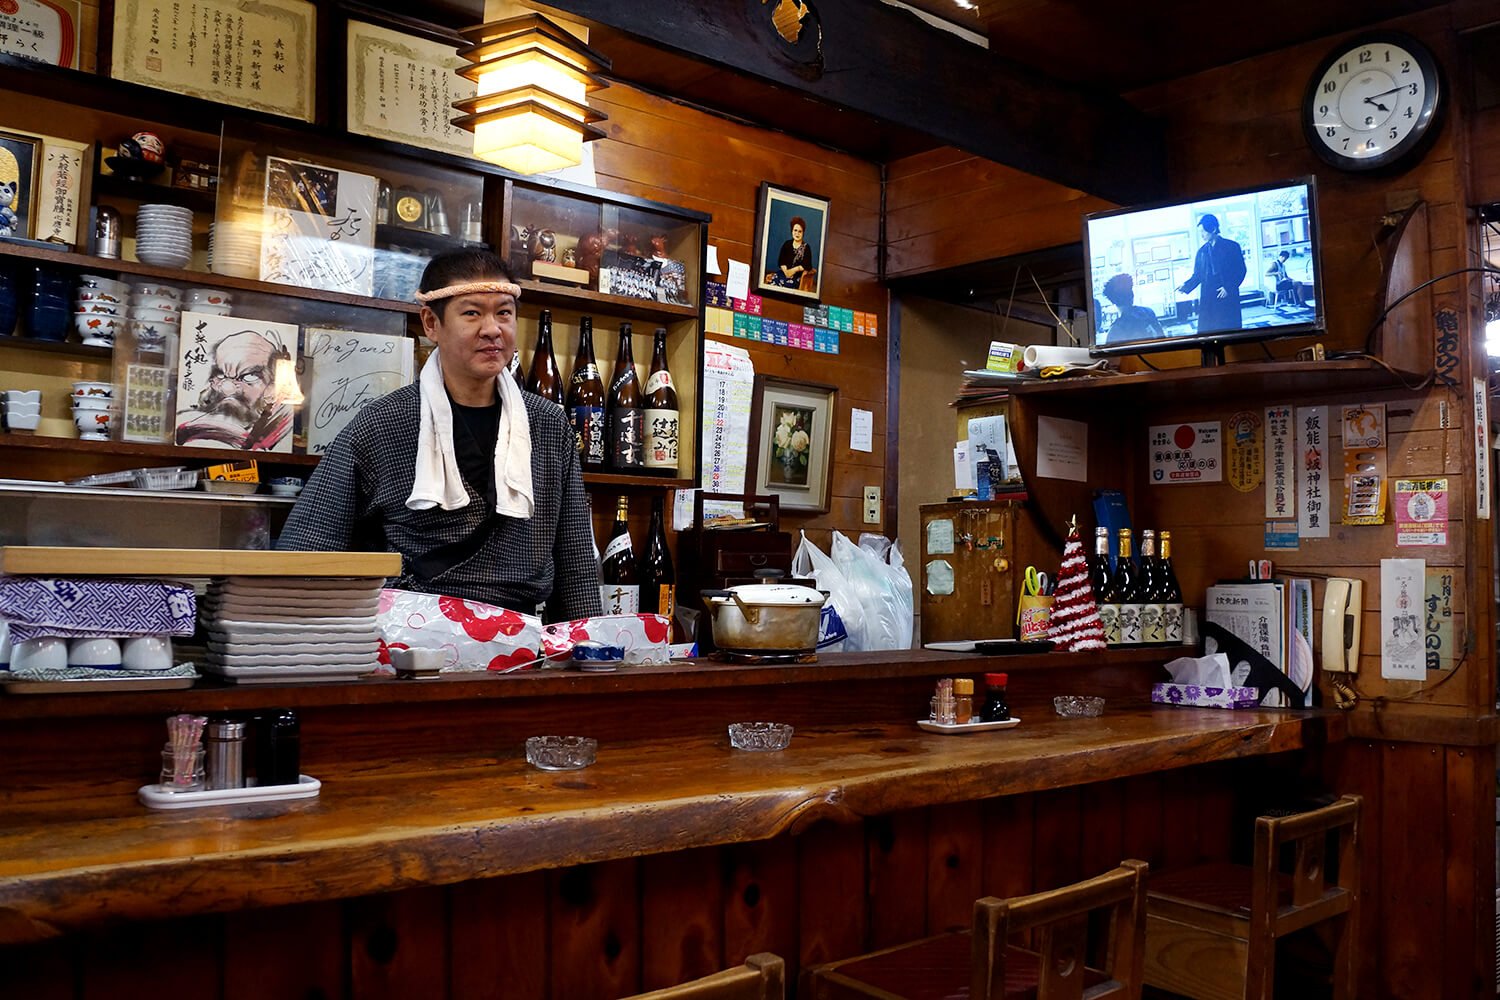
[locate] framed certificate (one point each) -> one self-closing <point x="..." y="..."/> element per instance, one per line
<point x="402" y="87"/>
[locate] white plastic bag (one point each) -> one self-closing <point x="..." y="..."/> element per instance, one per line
<point x="882" y="588"/>
<point x="843" y="621"/>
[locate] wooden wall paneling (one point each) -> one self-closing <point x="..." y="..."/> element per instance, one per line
<point x="1215" y="800"/>
<point x="596" y="932"/>
<point x="1143" y="819"/>
<point x="46" y="971"/>
<point x="1103" y="827"/>
<point x="682" y="917"/>
<point x="1059" y="844"/>
<point x="256" y="942"/>
<point x="1009" y="842"/>
<point x="761" y="901"/>
<point x="1412" y="885"/>
<point x="1468" y="847"/>
<point x="1179" y="825"/>
<point x="498" y="938"/>
<point x="398" y="944"/>
<point x="831" y="887"/>
<point x="1354" y="768"/>
<point x="146" y="961"/>
<point x="897" y="845"/>
<point x="955" y="866"/>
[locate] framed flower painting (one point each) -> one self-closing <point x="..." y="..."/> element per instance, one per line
<point x="792" y="428"/>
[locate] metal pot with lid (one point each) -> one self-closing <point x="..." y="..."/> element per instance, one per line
<point x="765" y="618"/>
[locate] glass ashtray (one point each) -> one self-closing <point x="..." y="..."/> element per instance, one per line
<point x="561" y="753"/>
<point x="1078" y="706"/>
<point x="759" y="735"/>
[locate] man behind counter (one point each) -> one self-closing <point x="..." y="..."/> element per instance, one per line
<point x="480" y="503"/>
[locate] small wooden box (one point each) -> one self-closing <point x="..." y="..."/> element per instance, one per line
<point x="559" y="272"/>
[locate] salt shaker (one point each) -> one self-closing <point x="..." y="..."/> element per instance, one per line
<point x="224" y="741"/>
<point x="106" y="232"/>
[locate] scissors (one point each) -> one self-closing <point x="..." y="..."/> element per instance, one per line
<point x="1035" y="583"/>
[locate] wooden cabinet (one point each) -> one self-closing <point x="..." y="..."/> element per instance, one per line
<point x="968" y="570"/>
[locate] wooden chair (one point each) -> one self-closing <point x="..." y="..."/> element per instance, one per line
<point x="762" y="977"/>
<point x="1211" y="930"/>
<point x="938" y="967"/>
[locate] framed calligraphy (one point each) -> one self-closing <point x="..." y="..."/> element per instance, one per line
<point x="256" y="54"/>
<point x="344" y="372"/>
<point x="402" y="87"/>
<point x="43" y="30"/>
<point x="318" y="227"/>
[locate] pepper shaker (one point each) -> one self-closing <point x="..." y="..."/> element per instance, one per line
<point x="224" y="743"/>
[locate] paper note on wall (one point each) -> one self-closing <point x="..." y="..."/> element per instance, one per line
<point x="1062" y="449"/>
<point x="728" y="390"/>
<point x="1403" y="588"/>
<point x="1281" y="445"/>
<point x="861" y="430"/>
<point x="738" y="284"/>
<point x="1312" y="471"/>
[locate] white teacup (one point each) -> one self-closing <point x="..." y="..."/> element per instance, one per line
<point x="81" y="403"/>
<point x="153" y="302"/>
<point x="46" y="653"/>
<point x="96" y="652"/>
<point x="147" y="652"/>
<point x="23" y="422"/>
<point x="93" y="425"/>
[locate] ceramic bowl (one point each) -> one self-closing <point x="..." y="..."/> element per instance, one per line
<point x="22" y="409"/>
<point x="169" y="317"/>
<point x="280" y="490"/>
<point x="118" y="289"/>
<point x="92" y="404"/>
<point x="147" y="652"/>
<point x="208" y="310"/>
<point x="22" y="396"/>
<point x="106" y="296"/>
<point x="94" y="652"/>
<point x="99" y="306"/>
<point x="20" y="423"/>
<point x="156" y="291"/>
<point x="93" y="425"/>
<point x="49" y="322"/>
<point x="97" y="325"/>
<point x="150" y="338"/>
<point x="106" y="389"/>
<point x="46" y="653"/>
<point x="153" y="302"/>
<point x="208" y="297"/>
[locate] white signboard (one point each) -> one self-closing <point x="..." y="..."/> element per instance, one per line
<point x="1313" y="509"/>
<point x="1187" y="453"/>
<point x="1403" y="587"/>
<point x="344" y="372"/>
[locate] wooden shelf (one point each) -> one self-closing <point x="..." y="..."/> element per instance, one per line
<point x="388" y="235"/>
<point x="584" y="300"/>
<point x="1240" y="379"/>
<point x="198" y="199"/>
<point x="213" y="455"/>
<point x="67" y="347"/>
<point x="636" y="482"/>
<point x="90" y="561"/>
<point x="89" y="262"/>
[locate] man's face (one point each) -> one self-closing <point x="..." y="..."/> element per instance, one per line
<point x="1205" y="234"/>
<point x="477" y="334"/>
<point x="241" y="378"/>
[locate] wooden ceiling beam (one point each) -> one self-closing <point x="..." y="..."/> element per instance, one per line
<point x="886" y="63"/>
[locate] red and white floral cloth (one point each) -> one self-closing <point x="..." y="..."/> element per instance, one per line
<point x="478" y="636"/>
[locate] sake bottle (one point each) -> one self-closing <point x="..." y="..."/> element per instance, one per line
<point x="626" y="448"/>
<point x="661" y="411"/>
<point x="619" y="588"/>
<point x="545" y="380"/>
<point x="586" y="400"/>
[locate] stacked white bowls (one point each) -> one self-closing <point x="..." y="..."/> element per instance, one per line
<point x="155" y="313"/>
<point x="93" y="406"/>
<point x="99" y="309"/>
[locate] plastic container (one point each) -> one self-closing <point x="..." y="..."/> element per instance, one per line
<point x="175" y="478"/>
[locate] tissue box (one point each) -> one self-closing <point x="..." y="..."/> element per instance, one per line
<point x="1168" y="693"/>
<point x="1003" y="357"/>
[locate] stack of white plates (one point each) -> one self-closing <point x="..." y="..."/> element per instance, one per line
<point x="234" y="249"/>
<point x="164" y="235"/>
<point x="263" y="629"/>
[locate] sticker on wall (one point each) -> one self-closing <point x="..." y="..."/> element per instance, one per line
<point x="1362" y="428"/>
<point x="1312" y="471"/>
<point x="1481" y="450"/>
<point x="1403" y="586"/>
<point x="1439" y="614"/>
<point x="1186" y="453"/>
<point x="1282" y="535"/>
<point x="1421" y="507"/>
<point x="1281" y="486"/>
<point x="1247" y="453"/>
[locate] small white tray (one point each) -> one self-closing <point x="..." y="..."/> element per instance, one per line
<point x="97" y="685"/>
<point x="967" y="727"/>
<point x="152" y="797"/>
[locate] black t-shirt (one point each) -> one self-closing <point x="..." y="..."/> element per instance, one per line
<point x="475" y="430"/>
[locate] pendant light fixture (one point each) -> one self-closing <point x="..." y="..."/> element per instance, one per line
<point x="532" y="78"/>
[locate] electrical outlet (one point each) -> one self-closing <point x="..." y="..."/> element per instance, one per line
<point x="872" y="504"/>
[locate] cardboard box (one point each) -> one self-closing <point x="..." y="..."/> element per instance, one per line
<point x="1003" y="357"/>
<point x="1168" y="693"/>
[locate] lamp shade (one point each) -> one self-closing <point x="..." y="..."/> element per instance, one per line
<point x="532" y="81"/>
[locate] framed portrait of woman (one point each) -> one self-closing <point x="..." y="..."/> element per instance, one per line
<point x="791" y="238"/>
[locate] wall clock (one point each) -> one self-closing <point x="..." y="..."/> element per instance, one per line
<point x="1374" y="102"/>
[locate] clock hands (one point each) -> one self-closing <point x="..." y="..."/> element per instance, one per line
<point x="1371" y="100"/>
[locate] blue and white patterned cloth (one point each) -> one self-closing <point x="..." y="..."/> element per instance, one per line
<point x="85" y="607"/>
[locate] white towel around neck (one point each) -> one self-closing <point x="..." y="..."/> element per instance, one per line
<point x="437" y="481"/>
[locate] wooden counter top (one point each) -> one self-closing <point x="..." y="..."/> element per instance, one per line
<point x="444" y="819"/>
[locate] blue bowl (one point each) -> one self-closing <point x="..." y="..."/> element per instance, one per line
<point x="49" y="323"/>
<point x="8" y="316"/>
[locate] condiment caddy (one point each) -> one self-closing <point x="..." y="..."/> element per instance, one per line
<point x="953" y="707"/>
<point x="204" y="763"/>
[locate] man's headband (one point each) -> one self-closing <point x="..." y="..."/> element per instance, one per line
<point x="469" y="288"/>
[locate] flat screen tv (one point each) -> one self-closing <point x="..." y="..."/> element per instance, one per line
<point x="1204" y="272"/>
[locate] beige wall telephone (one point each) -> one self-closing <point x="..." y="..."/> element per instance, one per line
<point x="1342" y="603"/>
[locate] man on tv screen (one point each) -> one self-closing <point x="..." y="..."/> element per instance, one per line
<point x="1218" y="270"/>
<point x="1134" y="322"/>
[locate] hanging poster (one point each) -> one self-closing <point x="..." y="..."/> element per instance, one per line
<point x="318" y="229"/>
<point x="1247" y="455"/>
<point x="1421" y="507"/>
<point x="728" y="392"/>
<point x="402" y="87"/>
<point x="1439" y="615"/>
<point x="1312" y="471"/>
<point x="1281" y="487"/>
<point x="44" y="30"/>
<point x="145" y="416"/>
<point x="229" y="394"/>
<point x="1403" y="588"/>
<point x="256" y="54"/>
<point x="344" y="372"/>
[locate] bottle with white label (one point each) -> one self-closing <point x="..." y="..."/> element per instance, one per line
<point x="661" y="412"/>
<point x="1102" y="581"/>
<point x="1172" y="614"/>
<point x="1128" y="593"/>
<point x="619" y="588"/>
<point x="1153" y="613"/>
